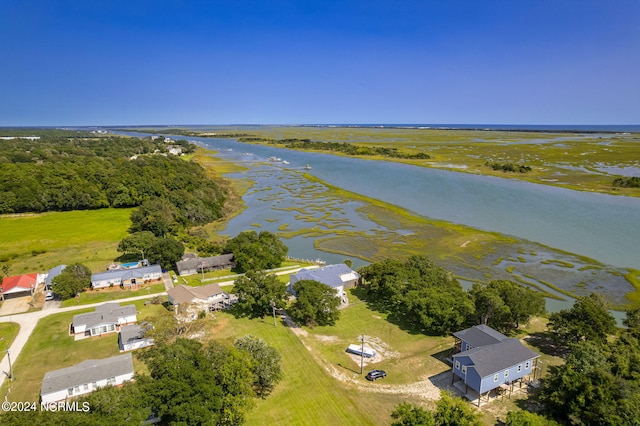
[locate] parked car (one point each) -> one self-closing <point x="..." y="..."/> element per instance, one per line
<point x="376" y="374"/>
<point x="49" y="296"/>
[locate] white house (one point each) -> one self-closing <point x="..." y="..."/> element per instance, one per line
<point x="133" y="337"/>
<point x="339" y="277"/>
<point x="126" y="277"/>
<point x="86" y="377"/>
<point x="107" y="318"/>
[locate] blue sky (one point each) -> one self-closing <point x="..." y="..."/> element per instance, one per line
<point x="291" y="62"/>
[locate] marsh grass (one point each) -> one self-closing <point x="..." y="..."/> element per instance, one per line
<point x="467" y="151"/>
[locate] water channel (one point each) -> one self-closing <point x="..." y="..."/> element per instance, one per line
<point x="599" y="226"/>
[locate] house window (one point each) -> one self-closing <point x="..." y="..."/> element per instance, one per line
<point x="506" y="373"/>
<point x="519" y="368"/>
<point x="94" y="385"/>
<point x="464" y="369"/>
<point x="526" y="365"/>
<point x="495" y="377"/>
<point x="86" y="387"/>
<point x="111" y="381"/>
<point x="70" y="391"/>
<point x="457" y="365"/>
<point x="77" y="389"/>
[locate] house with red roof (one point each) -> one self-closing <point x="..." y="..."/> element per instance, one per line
<point x="19" y="285"/>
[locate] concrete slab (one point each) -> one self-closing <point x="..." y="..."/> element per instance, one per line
<point x="16" y="305"/>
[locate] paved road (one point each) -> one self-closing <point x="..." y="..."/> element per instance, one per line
<point x="29" y="320"/>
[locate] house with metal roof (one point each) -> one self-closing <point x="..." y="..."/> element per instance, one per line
<point x="107" y="318"/>
<point x="85" y="377"/>
<point x="194" y="265"/>
<point x="126" y="277"/>
<point x="133" y="337"/>
<point x="53" y="272"/>
<point x="339" y="277"/>
<point x="19" y="285"/>
<point x="485" y="359"/>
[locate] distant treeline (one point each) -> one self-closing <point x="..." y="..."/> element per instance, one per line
<point x="627" y="182"/>
<point x="344" y="147"/>
<point x="83" y="171"/>
<point x="509" y="167"/>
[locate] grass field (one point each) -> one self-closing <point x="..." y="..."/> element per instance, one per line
<point x="307" y="395"/>
<point x="38" y="242"/>
<point x="8" y="332"/>
<point x="50" y="348"/>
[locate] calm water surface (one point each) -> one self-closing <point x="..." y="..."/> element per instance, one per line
<point x="600" y="226"/>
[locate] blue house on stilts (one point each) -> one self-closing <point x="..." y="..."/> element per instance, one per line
<point x="485" y="359"/>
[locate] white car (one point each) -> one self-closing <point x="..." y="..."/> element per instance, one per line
<point x="49" y="296"/>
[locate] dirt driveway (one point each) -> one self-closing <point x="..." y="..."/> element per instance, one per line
<point x="14" y="306"/>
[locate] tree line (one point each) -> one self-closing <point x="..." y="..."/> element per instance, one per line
<point x="343" y="147"/>
<point x="59" y="173"/>
<point x="420" y="293"/>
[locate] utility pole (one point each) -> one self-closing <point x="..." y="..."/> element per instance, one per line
<point x="361" y="352"/>
<point x="10" y="368"/>
<point x="273" y="308"/>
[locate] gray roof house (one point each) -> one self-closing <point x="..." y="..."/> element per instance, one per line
<point x="133" y="337"/>
<point x="126" y="277"/>
<point x="485" y="359"/>
<point x="86" y="377"/>
<point x="339" y="277"/>
<point x="191" y="266"/>
<point x="107" y="318"/>
<point x="53" y="272"/>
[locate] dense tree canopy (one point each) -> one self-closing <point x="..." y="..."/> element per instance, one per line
<point x="71" y="281"/>
<point x="600" y="381"/>
<point x="588" y="319"/>
<point x="258" y="292"/>
<point x="254" y="252"/>
<point x="166" y="252"/>
<point x="137" y="243"/>
<point x="450" y="411"/>
<point x="316" y="303"/>
<point x="420" y="292"/>
<point x="84" y="171"/>
<point x="266" y="366"/>
<point x="504" y="305"/>
<point x="194" y="384"/>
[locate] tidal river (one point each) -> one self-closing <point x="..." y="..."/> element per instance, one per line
<point x="603" y="227"/>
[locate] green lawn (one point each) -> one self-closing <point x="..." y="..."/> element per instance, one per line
<point x="38" y="242"/>
<point x="307" y="394"/>
<point x="97" y="296"/>
<point x="8" y="332"/>
<point x="50" y="348"/>
<point x="407" y="356"/>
